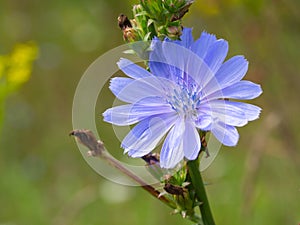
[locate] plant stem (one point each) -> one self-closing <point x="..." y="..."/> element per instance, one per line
<point x="97" y="149"/>
<point x="197" y="182"/>
<point x="151" y="190"/>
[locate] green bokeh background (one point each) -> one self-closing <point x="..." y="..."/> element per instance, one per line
<point x="45" y="180"/>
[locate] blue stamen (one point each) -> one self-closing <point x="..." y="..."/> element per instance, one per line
<point x="184" y="100"/>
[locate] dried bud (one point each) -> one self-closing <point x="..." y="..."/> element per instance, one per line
<point x="151" y="158"/>
<point x="129" y="34"/>
<point x="174" y="189"/>
<point x="123" y="22"/>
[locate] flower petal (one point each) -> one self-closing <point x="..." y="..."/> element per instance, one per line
<point x="187" y="64"/>
<point x="144" y="137"/>
<point x="241" y="90"/>
<point x="216" y="54"/>
<point x="157" y="61"/>
<point x="186" y="38"/>
<point x="251" y="111"/>
<point x="152" y="101"/>
<point x="191" y="141"/>
<point x="201" y="45"/>
<point x="225" y="112"/>
<point x="132" y="70"/>
<point x="131" y="91"/>
<point x="227" y="135"/>
<point x="132" y="113"/>
<point x="117" y="84"/>
<point x="231" y="72"/>
<point x="204" y="122"/>
<point x="172" y="150"/>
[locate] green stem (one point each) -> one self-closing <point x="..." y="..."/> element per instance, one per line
<point x="198" y="185"/>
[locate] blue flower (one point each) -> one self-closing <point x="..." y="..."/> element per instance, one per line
<point x="187" y="90"/>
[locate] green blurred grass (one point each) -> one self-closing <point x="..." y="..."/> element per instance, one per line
<point x="44" y="179"/>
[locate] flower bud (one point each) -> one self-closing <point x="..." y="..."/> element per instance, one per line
<point x="174" y="32"/>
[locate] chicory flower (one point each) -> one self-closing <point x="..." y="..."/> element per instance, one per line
<point x="189" y="88"/>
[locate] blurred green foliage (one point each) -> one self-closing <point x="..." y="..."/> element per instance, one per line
<point x="44" y="179"/>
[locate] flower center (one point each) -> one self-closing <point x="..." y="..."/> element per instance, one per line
<point x="184" y="101"/>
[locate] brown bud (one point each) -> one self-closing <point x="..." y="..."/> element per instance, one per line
<point x="174" y="189"/>
<point x="123" y="22"/>
<point x="151" y="158"/>
<point x="174" y="31"/>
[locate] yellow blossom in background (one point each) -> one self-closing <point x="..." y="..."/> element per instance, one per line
<point x="15" y="68"/>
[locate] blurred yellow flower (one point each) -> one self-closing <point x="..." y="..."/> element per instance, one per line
<point x="19" y="64"/>
<point x="15" y="70"/>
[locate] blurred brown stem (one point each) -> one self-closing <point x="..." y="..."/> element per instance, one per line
<point x="96" y="147"/>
